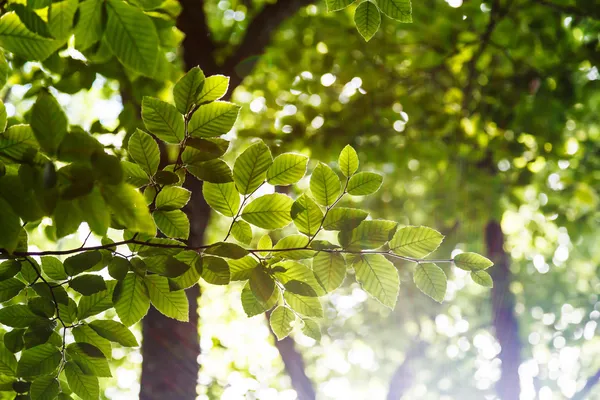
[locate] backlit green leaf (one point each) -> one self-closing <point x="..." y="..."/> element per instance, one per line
<point x="8" y="362"/>
<point x="286" y="169"/>
<point x="215" y="87"/>
<point x="10" y="288"/>
<point x="348" y="161"/>
<point x="242" y="232"/>
<point x="115" y="332"/>
<point x="87" y="284"/>
<point x="431" y="280"/>
<point x="129" y="206"/>
<point x="271" y="211"/>
<point x="163" y="120"/>
<point x="172" y="198"/>
<point x="222" y="197"/>
<point x="415" y="241"/>
<point x="131" y="299"/>
<point x="367" y="19"/>
<point x="311" y="329"/>
<point x="16" y="38"/>
<point x="330" y="270"/>
<point x="39" y="360"/>
<point x="85" y="334"/>
<point x="472" y="262"/>
<point x="296" y="245"/>
<point x="342" y="218"/>
<point x="89" y="358"/>
<point x="213" y="119"/>
<point x="173" y="224"/>
<point x="48" y="121"/>
<point x="44" y="388"/>
<point x="325" y="185"/>
<point x="307" y="215"/>
<point x="17" y="316"/>
<point x="369" y="235"/>
<point x="89" y="29"/>
<point x="282" y="321"/>
<point x="378" y="277"/>
<point x="214" y="171"/>
<point x="364" y="183"/>
<point x="227" y="250"/>
<point x="399" y="10"/>
<point x="215" y="270"/>
<point x="172" y="304"/>
<point x="85" y="386"/>
<point x="144" y="151"/>
<point x="187" y="89"/>
<point x="482" y="278"/>
<point x="336" y="5"/>
<point x="249" y="170"/>
<point x="307" y="306"/>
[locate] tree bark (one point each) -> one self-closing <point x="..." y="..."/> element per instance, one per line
<point x="294" y="366"/>
<point x="504" y="320"/>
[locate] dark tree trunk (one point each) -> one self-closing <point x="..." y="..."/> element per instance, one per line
<point x="504" y="319"/>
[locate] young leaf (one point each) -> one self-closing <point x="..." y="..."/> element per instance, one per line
<point x="39" y="360"/>
<point x="271" y="211"/>
<point x="307" y="215"/>
<point x="88" y="284"/>
<point x="242" y="232"/>
<point x="115" y="332"/>
<point x="325" y="185"/>
<point x="44" y="388"/>
<point x="330" y="270"/>
<point x="172" y="304"/>
<point x="48" y="121"/>
<point x="215" y="270"/>
<point x="131" y="299"/>
<point x="265" y="242"/>
<point x="242" y="269"/>
<point x="250" y="168"/>
<point x="282" y="321"/>
<point x="187" y="89"/>
<point x="415" y="241"/>
<point x="364" y="183"/>
<point x="399" y="10"/>
<point x="85" y="386"/>
<point x="348" y="161"/>
<point x="287" y="168"/>
<point x="213" y="119"/>
<point x="378" y="277"/>
<point x="432" y="281"/>
<point x="144" y="151"/>
<point x="132" y="37"/>
<point x="85" y="334"/>
<point x="369" y="234"/>
<point x="10" y="288"/>
<point x="336" y="5"/>
<point x="89" y="358"/>
<point x="304" y="305"/>
<point x="173" y="224"/>
<point x="134" y="174"/>
<point x="472" y="262"/>
<point x="214" y="88"/>
<point x="367" y="19"/>
<point x="482" y="278"/>
<point x="222" y="197"/>
<point x="342" y="218"/>
<point x="172" y="198"/>
<point x="163" y="120"/>
<point x="294" y="271"/>
<point x="311" y="329"/>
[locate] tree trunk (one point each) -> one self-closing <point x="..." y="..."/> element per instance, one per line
<point x="505" y="322"/>
<point x="402" y="379"/>
<point x="294" y="366"/>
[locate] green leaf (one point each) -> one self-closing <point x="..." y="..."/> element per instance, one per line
<point x="172" y="304"/>
<point x="252" y="306"/>
<point x="214" y="171"/>
<point x="3" y="115"/>
<point x="311" y="329"/>
<point x="39" y="360"/>
<point x="89" y="358"/>
<point x="415" y="241"/>
<point x="364" y="183"/>
<point x="348" y="161"/>
<point x="165" y="177"/>
<point x="96" y="303"/>
<point x="85" y="386"/>
<point x="165" y="265"/>
<point x="16" y="38"/>
<point x="298" y="242"/>
<point x="14" y="342"/>
<point x="282" y="321"/>
<point x="10" y="288"/>
<point x="95" y="212"/>
<point x="132" y="37"/>
<point x="115" y="332"/>
<point x="250" y="168"/>
<point x="18" y="142"/>
<point x="199" y="150"/>
<point x="294" y="271"/>
<point x="8" y="361"/>
<point x="271" y="211"/>
<point x="60" y="18"/>
<point x="215" y="87"/>
<point x="85" y="334"/>
<point x="129" y="206"/>
<point x="144" y="151"/>
<point x="301" y="288"/>
<point x="215" y="270"/>
<point x="172" y="198"/>
<point x="44" y="388"/>
<point x="472" y="262"/>
<point x="304" y="305"/>
<point x="431" y="280"/>
<point x="4" y="69"/>
<point x="67" y="218"/>
<point x="261" y="284"/>
<point x="173" y="224"/>
<point x="307" y="215"/>
<point x="81" y="262"/>
<point x="68" y="312"/>
<point x="287" y="168"/>
<point x="163" y="120"/>
<point x="265" y="242"/>
<point x="134" y="174"/>
<point x="367" y="19"/>
<point x="330" y="270"/>
<point x="227" y="250"/>
<point x="336" y="5"/>
<point x="187" y="89"/>
<point x="399" y="10"/>
<point x="369" y="235"/>
<point x="131" y="299"/>
<point x="88" y="284"/>
<point x="242" y="269"/>
<point x="342" y="218"/>
<point x="325" y="185"/>
<point x="18" y="316"/>
<point x="11" y="227"/>
<point x="213" y="119"/>
<point x="482" y="278"/>
<point x="89" y="29"/>
<point x="10" y="268"/>
<point x="378" y="277"/>
<point x="49" y="122"/>
<point x="242" y="232"/>
<point x="222" y="197"/>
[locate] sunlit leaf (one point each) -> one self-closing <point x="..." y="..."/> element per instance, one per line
<point x="431" y="280"/>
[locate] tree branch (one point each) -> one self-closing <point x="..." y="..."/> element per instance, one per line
<point x="589" y="384"/>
